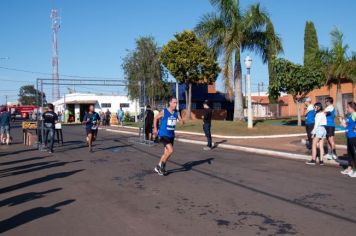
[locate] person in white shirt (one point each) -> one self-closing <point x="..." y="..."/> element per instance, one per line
<point x="319" y="134"/>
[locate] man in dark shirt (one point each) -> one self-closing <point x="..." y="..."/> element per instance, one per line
<point x="91" y="121"/>
<point x="149" y="116"/>
<point x="107" y="117"/>
<point x="5" y="126"/>
<point x="50" y="118"/>
<point x="207" y="124"/>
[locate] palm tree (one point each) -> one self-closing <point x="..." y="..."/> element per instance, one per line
<point x="338" y="66"/>
<point x="231" y="31"/>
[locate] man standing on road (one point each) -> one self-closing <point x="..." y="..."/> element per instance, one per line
<point x="50" y="118"/>
<point x="309" y="122"/>
<point x="330" y="128"/>
<point x="107" y="117"/>
<point x="149" y="117"/>
<point x="91" y="121"/>
<point x="5" y="118"/>
<point x="207" y="124"/>
<point x="169" y="117"/>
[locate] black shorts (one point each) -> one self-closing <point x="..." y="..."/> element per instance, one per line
<point x="92" y="131"/>
<point x="166" y="140"/>
<point x="330" y="131"/>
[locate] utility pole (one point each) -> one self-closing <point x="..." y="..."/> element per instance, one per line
<point x="5" y="100"/>
<point x="55" y="76"/>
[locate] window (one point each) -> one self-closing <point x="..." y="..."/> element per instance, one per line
<point x="194" y="106"/>
<point x="106" y="105"/>
<point x="321" y="99"/>
<point x="217" y="106"/>
<point x="346" y="98"/>
<point x="122" y="105"/>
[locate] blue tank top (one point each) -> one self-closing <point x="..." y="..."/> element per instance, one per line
<point x="310" y="117"/>
<point x="330" y="119"/>
<point x="168" y="124"/>
<point x="350" y="127"/>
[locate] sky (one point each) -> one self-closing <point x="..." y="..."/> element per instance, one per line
<point x="96" y="35"/>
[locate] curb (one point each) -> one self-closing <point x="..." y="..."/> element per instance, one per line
<point x="281" y="154"/>
<point x="240" y="137"/>
<point x="337" y="146"/>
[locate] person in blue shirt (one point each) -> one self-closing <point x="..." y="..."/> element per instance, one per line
<point x="330" y="128"/>
<point x="350" y="125"/>
<point x="91" y="121"/>
<point x="309" y="122"/>
<point x="168" y="120"/>
<point x="120" y="116"/>
<point x="5" y="118"/>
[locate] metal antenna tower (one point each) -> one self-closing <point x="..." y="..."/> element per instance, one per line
<point x="55" y="76"/>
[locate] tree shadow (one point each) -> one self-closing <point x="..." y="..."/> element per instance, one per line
<point x="23" y="160"/>
<point x="26" y="197"/>
<point x="17" y="152"/>
<point x="43" y="167"/>
<point x="38" y="181"/>
<point x="31" y="215"/>
<point x="26" y="166"/>
<point x="189" y="165"/>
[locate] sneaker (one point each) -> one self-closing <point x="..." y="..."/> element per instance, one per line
<point x="346" y="172"/>
<point x="50" y="151"/>
<point x="158" y="169"/>
<point x="328" y="156"/>
<point x="334" y="156"/>
<point x="352" y="174"/>
<point x="311" y="162"/>
<point x="321" y="163"/>
<point x="207" y="148"/>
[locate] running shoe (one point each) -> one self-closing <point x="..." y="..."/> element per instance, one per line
<point x="158" y="169"/>
<point x="328" y="156"/>
<point x="346" y="172"/>
<point x="334" y="156"/>
<point x="352" y="174"/>
<point x="311" y="162"/>
<point x="207" y="148"/>
<point x="321" y="163"/>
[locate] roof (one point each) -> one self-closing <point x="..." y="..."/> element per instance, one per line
<point x="81" y="102"/>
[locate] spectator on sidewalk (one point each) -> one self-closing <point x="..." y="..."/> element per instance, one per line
<point x="309" y="122"/>
<point x="350" y="125"/>
<point x="50" y="118"/>
<point x="5" y="119"/>
<point x="149" y="117"/>
<point x="319" y="134"/>
<point x="330" y="128"/>
<point x="107" y="117"/>
<point x="103" y="118"/>
<point x="120" y="117"/>
<point x="207" y="124"/>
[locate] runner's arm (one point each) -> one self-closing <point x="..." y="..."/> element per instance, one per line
<point x="181" y="121"/>
<point x="155" y="120"/>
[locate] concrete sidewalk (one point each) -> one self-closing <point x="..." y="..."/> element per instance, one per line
<point x="286" y="147"/>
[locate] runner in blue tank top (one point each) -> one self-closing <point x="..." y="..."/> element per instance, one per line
<point x="330" y="128"/>
<point x="350" y="125"/>
<point x="169" y="118"/>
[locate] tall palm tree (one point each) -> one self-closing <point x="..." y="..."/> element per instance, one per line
<point x="338" y="65"/>
<point x="231" y="31"/>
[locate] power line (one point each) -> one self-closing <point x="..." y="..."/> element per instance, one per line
<point x="63" y="75"/>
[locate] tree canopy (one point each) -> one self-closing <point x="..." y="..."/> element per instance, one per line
<point x="311" y="45"/>
<point x="142" y="65"/>
<point x="27" y="95"/>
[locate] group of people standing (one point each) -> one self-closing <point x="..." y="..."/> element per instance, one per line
<point x="320" y="125"/>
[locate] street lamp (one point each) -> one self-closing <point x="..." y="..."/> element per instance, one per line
<point x="248" y="62"/>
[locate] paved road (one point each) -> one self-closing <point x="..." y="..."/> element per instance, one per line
<point x="115" y="192"/>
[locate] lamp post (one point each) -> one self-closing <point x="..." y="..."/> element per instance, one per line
<point x="248" y="62"/>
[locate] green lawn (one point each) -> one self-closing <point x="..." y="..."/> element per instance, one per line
<point x="340" y="139"/>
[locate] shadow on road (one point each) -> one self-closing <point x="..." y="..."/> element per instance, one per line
<point x="26" y="166"/>
<point x="31" y="215"/>
<point x="189" y="165"/>
<point x="39" y="180"/>
<point x="26" y="197"/>
<point x="216" y="144"/>
<point x="23" y="160"/>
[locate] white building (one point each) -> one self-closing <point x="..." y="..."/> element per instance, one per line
<point x="75" y="105"/>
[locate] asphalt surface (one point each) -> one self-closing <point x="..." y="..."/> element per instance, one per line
<point x="114" y="191"/>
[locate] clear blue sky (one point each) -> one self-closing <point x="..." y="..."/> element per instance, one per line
<point x="95" y="35"/>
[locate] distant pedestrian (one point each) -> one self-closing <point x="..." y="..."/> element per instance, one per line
<point x="120" y="117"/>
<point x="107" y="117"/>
<point x="5" y="119"/>
<point x="207" y="124"/>
<point x="330" y="128"/>
<point x="149" y="117"/>
<point x="103" y="118"/>
<point x="309" y="122"/>
<point x="50" y="118"/>
<point x="350" y="125"/>
<point x="92" y="122"/>
<point x="319" y="134"/>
